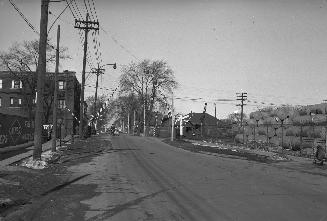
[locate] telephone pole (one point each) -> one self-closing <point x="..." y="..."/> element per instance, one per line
<point x="241" y="97"/>
<point x="172" y="117"/>
<point x="215" y="111"/>
<point x="41" y="69"/>
<point x="128" y="123"/>
<point x="86" y="26"/>
<point x="55" y="96"/>
<point x="98" y="72"/>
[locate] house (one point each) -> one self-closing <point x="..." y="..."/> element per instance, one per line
<point x="197" y="124"/>
<point x="18" y="97"/>
<point x="194" y="125"/>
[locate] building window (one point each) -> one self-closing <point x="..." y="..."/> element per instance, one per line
<point x="61" y="85"/>
<point x="0" y="102"/>
<point x="61" y="104"/>
<point x="19" y="101"/>
<point x="0" y="83"/>
<point x="34" y="101"/>
<point x="12" y="101"/>
<point x="16" y="84"/>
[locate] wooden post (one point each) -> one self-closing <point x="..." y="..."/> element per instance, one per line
<point x="41" y="70"/>
<point x="172" y="117"/>
<point x="55" y="96"/>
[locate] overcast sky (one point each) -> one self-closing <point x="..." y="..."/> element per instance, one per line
<point x="274" y="50"/>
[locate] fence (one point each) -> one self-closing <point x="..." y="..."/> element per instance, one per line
<point x="15" y="130"/>
<point x="290" y="136"/>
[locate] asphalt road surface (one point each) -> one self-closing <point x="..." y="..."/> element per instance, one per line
<point x="144" y="179"/>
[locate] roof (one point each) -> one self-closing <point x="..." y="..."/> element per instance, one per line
<point x="198" y="118"/>
<point x="64" y="73"/>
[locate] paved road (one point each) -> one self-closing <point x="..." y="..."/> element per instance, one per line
<point x="145" y="179"/>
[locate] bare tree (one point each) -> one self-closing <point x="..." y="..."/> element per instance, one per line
<point x="236" y="117"/>
<point x="103" y="110"/>
<point x="151" y="81"/>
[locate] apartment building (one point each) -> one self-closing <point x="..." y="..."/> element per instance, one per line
<point x="18" y="97"/>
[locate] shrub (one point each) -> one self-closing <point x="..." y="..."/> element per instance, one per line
<point x="239" y="138"/>
<point x="292" y="131"/>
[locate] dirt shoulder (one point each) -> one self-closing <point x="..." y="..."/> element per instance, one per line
<point x="27" y="194"/>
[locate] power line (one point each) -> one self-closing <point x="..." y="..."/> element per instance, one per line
<point x="58" y="17"/>
<point x="23" y="16"/>
<point x="79" y="12"/>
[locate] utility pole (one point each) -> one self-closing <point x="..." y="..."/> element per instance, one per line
<point x="241" y="97"/>
<point x="41" y="69"/>
<point x="88" y="25"/>
<point x="128" y="123"/>
<point x="172" y="117"/>
<point x="215" y="111"/>
<point x="98" y="71"/>
<point x="66" y="84"/>
<point x="134" y="123"/>
<point x="55" y="96"/>
<point x="144" y="127"/>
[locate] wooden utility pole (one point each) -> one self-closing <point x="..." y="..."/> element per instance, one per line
<point x="134" y="123"/>
<point x="144" y="126"/>
<point x="172" y="117"/>
<point x="88" y="25"/>
<point x="55" y="96"/>
<point x="41" y="69"/>
<point x="97" y="72"/>
<point x="215" y="111"/>
<point x="241" y="97"/>
<point x="128" y="123"/>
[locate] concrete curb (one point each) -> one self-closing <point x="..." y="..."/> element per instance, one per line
<point x="46" y="146"/>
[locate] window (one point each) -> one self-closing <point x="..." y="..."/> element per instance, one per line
<point x="19" y="101"/>
<point x="61" y="85"/>
<point x="11" y="101"/>
<point x="61" y="104"/>
<point x="0" y="102"/>
<point x="0" y="83"/>
<point x="16" y="84"/>
<point x="34" y="101"/>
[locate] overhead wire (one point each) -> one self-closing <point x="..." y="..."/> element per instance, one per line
<point x="23" y="16"/>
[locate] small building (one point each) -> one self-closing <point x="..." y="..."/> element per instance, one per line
<point x="197" y="125"/>
<point x="194" y="125"/>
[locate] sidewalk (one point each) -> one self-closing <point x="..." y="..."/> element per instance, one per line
<point x="45" y="146"/>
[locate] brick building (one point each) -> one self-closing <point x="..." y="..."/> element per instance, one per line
<point x="18" y="97"/>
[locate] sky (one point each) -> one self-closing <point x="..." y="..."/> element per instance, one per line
<point x="275" y="50"/>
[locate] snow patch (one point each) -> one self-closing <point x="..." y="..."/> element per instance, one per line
<point x="39" y="164"/>
<point x="34" y="164"/>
